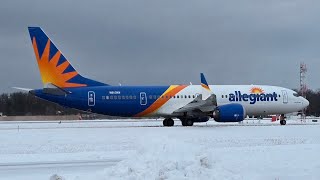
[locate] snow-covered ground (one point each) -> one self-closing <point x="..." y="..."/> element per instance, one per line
<point x="143" y="149"/>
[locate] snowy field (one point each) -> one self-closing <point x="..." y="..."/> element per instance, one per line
<point x="131" y="149"/>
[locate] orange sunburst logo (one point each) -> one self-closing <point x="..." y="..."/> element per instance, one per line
<point x="256" y="90"/>
<point x="50" y="71"/>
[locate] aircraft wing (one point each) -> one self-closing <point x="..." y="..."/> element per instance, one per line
<point x="198" y="104"/>
<point x="205" y="102"/>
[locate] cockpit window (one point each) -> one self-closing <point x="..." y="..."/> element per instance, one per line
<point x="296" y="94"/>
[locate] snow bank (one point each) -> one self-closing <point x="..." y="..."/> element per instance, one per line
<point x="56" y="177"/>
<point x="165" y="158"/>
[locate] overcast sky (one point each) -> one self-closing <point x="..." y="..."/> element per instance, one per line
<point x="136" y="42"/>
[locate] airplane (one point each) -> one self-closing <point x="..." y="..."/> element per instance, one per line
<point x="189" y="103"/>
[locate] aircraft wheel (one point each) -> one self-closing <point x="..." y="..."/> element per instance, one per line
<point x="170" y="122"/>
<point x="183" y="122"/>
<point x="189" y="122"/>
<point x="165" y="122"/>
<point x="283" y="122"/>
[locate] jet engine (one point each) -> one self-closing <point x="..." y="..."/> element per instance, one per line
<point x="229" y="113"/>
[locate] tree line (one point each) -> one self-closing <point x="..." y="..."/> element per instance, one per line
<point x="21" y="104"/>
<point x="314" y="99"/>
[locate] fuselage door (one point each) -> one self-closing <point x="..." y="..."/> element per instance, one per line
<point x="285" y="96"/>
<point x="143" y="98"/>
<point x="91" y="98"/>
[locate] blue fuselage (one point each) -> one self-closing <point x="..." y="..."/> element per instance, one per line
<point x="125" y="101"/>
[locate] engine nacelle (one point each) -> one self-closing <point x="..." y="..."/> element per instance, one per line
<point x="229" y="113"/>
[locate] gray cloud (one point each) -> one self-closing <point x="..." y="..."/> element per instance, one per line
<point x="166" y="42"/>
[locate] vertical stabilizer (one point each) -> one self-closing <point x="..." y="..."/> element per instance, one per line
<point x="53" y="66"/>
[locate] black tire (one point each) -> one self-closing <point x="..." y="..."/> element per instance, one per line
<point x="183" y="122"/>
<point x="170" y="122"/>
<point x="165" y="122"/>
<point x="189" y="122"/>
<point x="283" y="122"/>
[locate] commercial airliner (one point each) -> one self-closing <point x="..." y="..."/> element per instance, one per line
<point x="189" y="103"/>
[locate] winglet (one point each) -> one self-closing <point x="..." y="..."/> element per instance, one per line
<point x="206" y="91"/>
<point x="204" y="83"/>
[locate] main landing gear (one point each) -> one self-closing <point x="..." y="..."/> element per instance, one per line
<point x="168" y="122"/>
<point x="283" y="120"/>
<point x="187" y="122"/>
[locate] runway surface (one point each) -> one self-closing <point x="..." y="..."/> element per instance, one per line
<point x="143" y="149"/>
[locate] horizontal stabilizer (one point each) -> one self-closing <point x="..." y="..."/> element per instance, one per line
<point x="22" y="89"/>
<point x="54" y="90"/>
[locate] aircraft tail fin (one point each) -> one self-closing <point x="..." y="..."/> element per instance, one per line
<point x="54" y="67"/>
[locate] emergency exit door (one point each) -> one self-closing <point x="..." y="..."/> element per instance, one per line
<point x="285" y="96"/>
<point x="143" y="98"/>
<point x="91" y="98"/>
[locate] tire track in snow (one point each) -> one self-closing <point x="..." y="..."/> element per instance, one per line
<point x="52" y="164"/>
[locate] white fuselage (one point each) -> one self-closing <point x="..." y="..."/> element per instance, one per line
<point x="256" y="99"/>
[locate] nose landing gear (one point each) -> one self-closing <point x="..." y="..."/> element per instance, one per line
<point x="283" y="120"/>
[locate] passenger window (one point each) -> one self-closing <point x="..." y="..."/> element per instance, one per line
<point x="123" y="97"/>
<point x="150" y="96"/>
<point x="154" y="97"/>
<point x="226" y="96"/>
<point x="166" y="97"/>
<point x="119" y="97"/>
<point x="185" y="96"/>
<point x="174" y="96"/>
<point x="193" y="96"/>
<point x="107" y="97"/>
<point x="134" y="97"/>
<point x="279" y="95"/>
<point x="189" y="96"/>
<point x="103" y="97"/>
<point x="222" y="96"/>
<point x="158" y="96"/>
<point x="127" y="97"/>
<point x="296" y="94"/>
<point x="177" y="96"/>
<point x="115" y="97"/>
<point x="111" y="97"/>
<point x="130" y="97"/>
